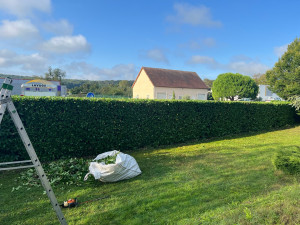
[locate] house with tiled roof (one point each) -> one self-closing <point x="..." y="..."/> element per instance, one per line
<point x="155" y="83"/>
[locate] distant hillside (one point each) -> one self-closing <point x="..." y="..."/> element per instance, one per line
<point x="70" y="83"/>
<point x="109" y="87"/>
<point x="18" y="76"/>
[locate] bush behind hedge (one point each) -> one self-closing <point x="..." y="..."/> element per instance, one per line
<point x="76" y="127"/>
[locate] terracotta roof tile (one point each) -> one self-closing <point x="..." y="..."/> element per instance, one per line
<point x="174" y="78"/>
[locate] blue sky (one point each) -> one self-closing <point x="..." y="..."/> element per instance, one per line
<point x="112" y="40"/>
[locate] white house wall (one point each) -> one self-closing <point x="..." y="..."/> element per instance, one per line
<point x="40" y="94"/>
<point x="180" y="93"/>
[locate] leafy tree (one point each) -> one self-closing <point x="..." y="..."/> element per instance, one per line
<point x="56" y="74"/>
<point x="208" y="82"/>
<point x="124" y="84"/>
<point x="284" y="78"/>
<point x="173" y="96"/>
<point x="260" y="78"/>
<point x="122" y="87"/>
<point x="49" y="75"/>
<point x="295" y="101"/>
<point x="230" y="85"/>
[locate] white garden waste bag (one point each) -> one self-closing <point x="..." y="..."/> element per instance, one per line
<point x="125" y="167"/>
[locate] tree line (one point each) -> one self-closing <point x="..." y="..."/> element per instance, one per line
<point x="122" y="88"/>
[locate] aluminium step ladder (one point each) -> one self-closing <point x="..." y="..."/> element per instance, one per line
<point x="6" y="102"/>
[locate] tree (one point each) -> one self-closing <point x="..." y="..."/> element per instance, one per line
<point x="124" y="84"/>
<point x="49" y="75"/>
<point x="284" y="78"/>
<point x="230" y="85"/>
<point x="295" y="101"/>
<point x="173" y="96"/>
<point x="208" y="82"/>
<point x="56" y="74"/>
<point x="260" y="78"/>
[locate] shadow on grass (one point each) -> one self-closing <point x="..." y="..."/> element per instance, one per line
<point x="213" y="139"/>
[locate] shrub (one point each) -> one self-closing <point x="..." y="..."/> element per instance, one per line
<point x="288" y="160"/>
<point x="77" y="127"/>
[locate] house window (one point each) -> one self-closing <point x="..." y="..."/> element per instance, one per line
<point x="170" y="96"/>
<point x="161" y="95"/>
<point x="49" y="89"/>
<point x="27" y="89"/>
<point x="201" y="97"/>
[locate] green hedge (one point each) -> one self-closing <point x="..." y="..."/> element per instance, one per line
<point x="76" y="127"/>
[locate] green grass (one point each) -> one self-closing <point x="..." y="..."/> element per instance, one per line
<point x="225" y="181"/>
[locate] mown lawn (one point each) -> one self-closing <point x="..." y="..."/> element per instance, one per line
<point x="228" y="181"/>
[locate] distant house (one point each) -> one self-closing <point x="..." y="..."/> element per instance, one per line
<point x="154" y="83"/>
<point x="266" y="95"/>
<point x="37" y="87"/>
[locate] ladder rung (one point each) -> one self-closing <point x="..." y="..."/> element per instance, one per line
<point x="15" y="162"/>
<point x="3" y="101"/>
<point x="17" y="167"/>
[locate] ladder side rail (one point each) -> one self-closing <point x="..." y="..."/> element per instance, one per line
<point x="31" y="152"/>
<point x="2" y="111"/>
<point x="3" y="94"/>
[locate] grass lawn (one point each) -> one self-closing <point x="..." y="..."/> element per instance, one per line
<point x="225" y="181"/>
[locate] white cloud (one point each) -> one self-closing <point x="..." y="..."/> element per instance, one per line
<point x="156" y="54"/>
<point x="7" y="53"/>
<point x="120" y="71"/>
<point x="193" y="15"/>
<point x="66" y="45"/>
<point x="246" y="67"/>
<point x="18" y="30"/>
<point x="61" y="27"/>
<point x="83" y="70"/>
<point x="280" y="50"/>
<point x="32" y="62"/>
<point x="198" y="59"/>
<point x="23" y="8"/>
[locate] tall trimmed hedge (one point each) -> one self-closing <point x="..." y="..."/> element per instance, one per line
<point x="69" y="127"/>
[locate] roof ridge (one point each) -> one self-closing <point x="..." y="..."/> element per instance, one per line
<point x="169" y="69"/>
